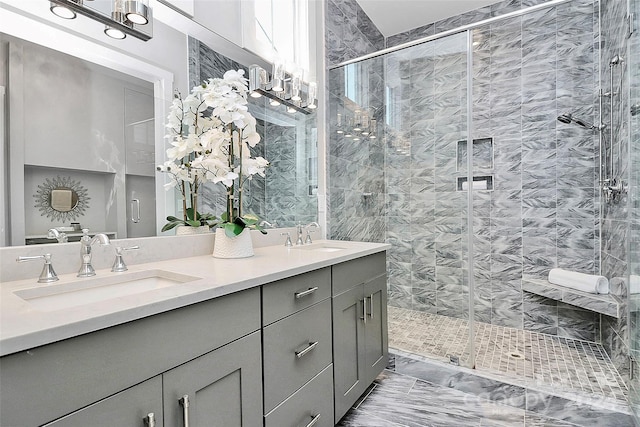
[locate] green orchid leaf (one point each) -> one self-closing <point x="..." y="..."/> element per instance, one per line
<point x="232" y="230"/>
<point x="193" y="223"/>
<point x="260" y="229"/>
<point x="224" y="217"/>
<point x="192" y="214"/>
<point x="250" y="219"/>
<point x="172" y="224"/>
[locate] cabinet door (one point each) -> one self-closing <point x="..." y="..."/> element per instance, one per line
<point x="133" y="407"/>
<point x="348" y="349"/>
<point x="222" y="388"/>
<point x="375" y="329"/>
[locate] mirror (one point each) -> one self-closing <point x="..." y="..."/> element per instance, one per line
<point x="61" y="199"/>
<point x="116" y="166"/>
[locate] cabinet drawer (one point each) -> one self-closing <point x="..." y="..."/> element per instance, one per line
<point x="59" y="378"/>
<point x="313" y="401"/>
<point x="285" y="297"/>
<point x="127" y="408"/>
<point x="348" y="274"/>
<point x="295" y="350"/>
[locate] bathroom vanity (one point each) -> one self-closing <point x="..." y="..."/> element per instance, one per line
<point x="291" y="336"/>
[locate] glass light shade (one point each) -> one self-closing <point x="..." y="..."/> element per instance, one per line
<point x="136" y="11"/>
<point x="254" y="80"/>
<point x="296" y="83"/>
<point x="274" y="103"/>
<point x="278" y="77"/>
<point x="312" y="95"/>
<point x="61" y="11"/>
<point x="114" y="33"/>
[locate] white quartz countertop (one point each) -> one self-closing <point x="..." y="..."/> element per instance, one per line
<point x="23" y="325"/>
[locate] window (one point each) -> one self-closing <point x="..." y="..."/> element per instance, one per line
<point x="280" y="30"/>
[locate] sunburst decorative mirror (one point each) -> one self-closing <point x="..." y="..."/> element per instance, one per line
<point x="62" y="199"/>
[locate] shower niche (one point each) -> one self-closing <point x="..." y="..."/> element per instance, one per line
<point x="482" y="164"/>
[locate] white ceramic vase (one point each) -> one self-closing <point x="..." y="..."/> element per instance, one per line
<point x="239" y="246"/>
<point x="187" y="230"/>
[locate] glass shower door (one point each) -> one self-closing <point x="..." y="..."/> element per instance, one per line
<point x="426" y="152"/>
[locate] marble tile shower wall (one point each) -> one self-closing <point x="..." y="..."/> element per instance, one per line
<point x="543" y="209"/>
<point x="616" y="223"/>
<point x="356" y="178"/>
<point x="349" y="32"/>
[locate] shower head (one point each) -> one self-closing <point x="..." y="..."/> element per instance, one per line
<point x="568" y="118"/>
<point x="565" y="118"/>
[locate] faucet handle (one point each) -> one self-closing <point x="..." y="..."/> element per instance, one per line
<point x="287" y="243"/>
<point x="308" y="240"/>
<point x="118" y="264"/>
<point x="48" y="274"/>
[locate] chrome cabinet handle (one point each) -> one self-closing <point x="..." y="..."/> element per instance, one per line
<point x="313" y="421"/>
<point x="310" y="347"/>
<point x="371" y="306"/>
<point x="364" y="310"/>
<point x="135" y="213"/>
<point x="184" y="401"/>
<point x="150" y="420"/>
<point x="305" y="293"/>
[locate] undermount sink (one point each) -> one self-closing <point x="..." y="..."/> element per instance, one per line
<point x="99" y="288"/>
<point x="322" y="247"/>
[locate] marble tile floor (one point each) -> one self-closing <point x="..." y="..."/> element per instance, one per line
<point x="546" y="362"/>
<point x="397" y="400"/>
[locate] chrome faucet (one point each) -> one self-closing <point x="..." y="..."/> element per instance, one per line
<point x="299" y="241"/>
<point x="48" y="274"/>
<point x="86" y="269"/>
<point x="308" y="240"/>
<point x="53" y="233"/>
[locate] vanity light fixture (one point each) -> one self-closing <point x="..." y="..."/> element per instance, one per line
<point x="358" y="126"/>
<point x="287" y="89"/>
<point x="137" y="11"/>
<point x="62" y="11"/>
<point x="127" y="17"/>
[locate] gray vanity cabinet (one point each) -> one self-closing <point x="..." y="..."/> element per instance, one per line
<point x="100" y="375"/>
<point x="138" y="406"/>
<point x="360" y="349"/>
<point x="221" y="388"/>
<point x="297" y="351"/>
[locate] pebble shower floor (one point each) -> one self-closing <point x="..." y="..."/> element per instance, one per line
<point x="567" y="365"/>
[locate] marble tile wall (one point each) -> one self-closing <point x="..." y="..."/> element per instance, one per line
<point x="544" y="209"/>
<point x="634" y="209"/>
<point x="615" y="214"/>
<point x="283" y="198"/>
<point x="349" y="32"/>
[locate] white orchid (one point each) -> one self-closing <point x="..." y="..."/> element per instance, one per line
<point x="211" y="132"/>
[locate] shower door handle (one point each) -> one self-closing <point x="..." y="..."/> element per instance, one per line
<point x="370" y="305"/>
<point x="135" y="210"/>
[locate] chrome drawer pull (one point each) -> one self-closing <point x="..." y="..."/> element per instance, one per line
<point x="184" y="401"/>
<point x="311" y="346"/>
<point x="305" y="293"/>
<point x="364" y="310"/>
<point x="150" y="420"/>
<point x="313" y="421"/>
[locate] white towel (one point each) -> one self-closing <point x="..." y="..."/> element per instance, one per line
<point x="580" y="281"/>
<point x="477" y="185"/>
